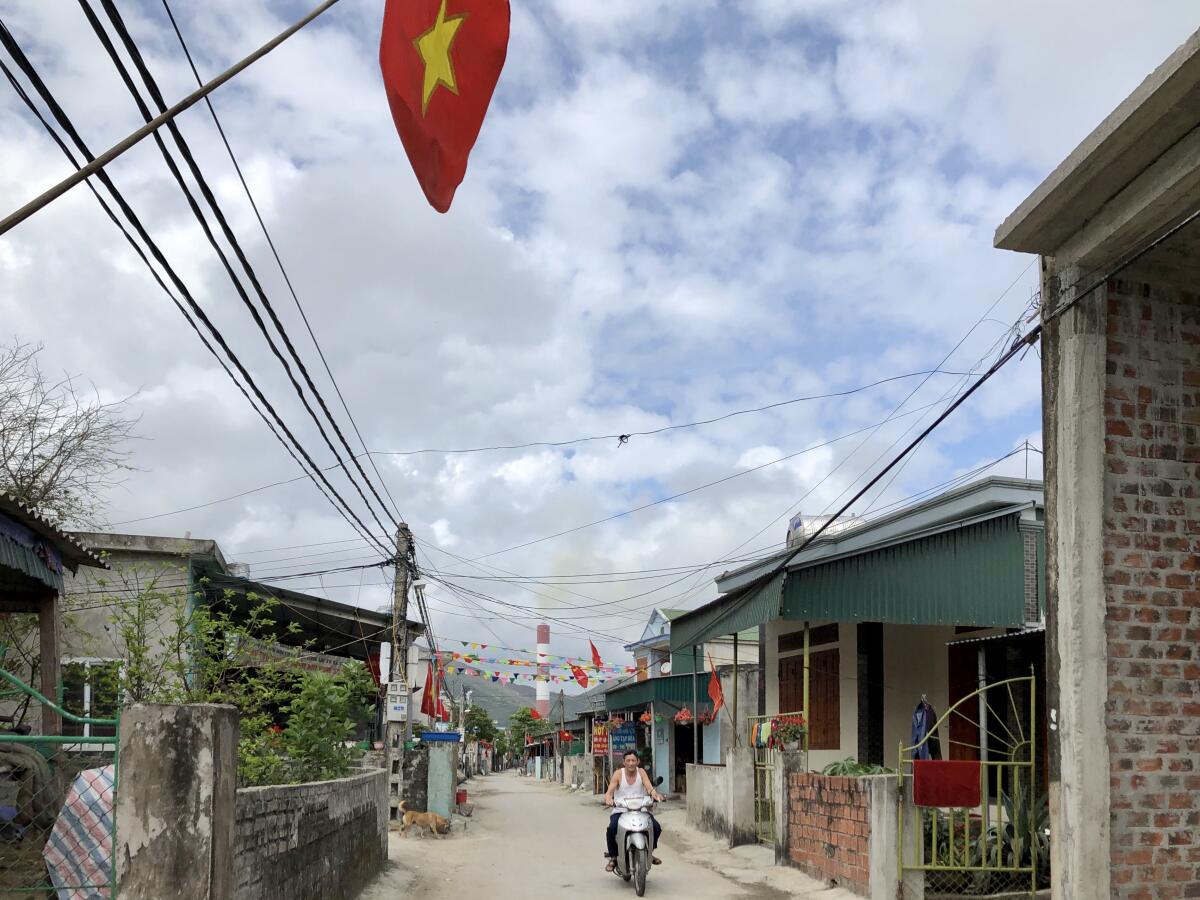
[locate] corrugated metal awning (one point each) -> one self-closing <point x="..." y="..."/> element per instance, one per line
<point x="675" y="690"/>
<point x="753" y="605"/>
<point x="968" y="575"/>
<point x="1008" y="635"/>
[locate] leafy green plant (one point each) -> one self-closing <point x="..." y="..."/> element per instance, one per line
<point x="851" y="768"/>
<point x="320" y="725"/>
<point x="1022" y="837"/>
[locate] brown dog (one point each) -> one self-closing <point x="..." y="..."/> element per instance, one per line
<point x="436" y="824"/>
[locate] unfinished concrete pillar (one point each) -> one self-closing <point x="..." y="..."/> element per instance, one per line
<point x="883" y="849"/>
<point x="786" y="763"/>
<point x="739" y="772"/>
<point x="175" y="802"/>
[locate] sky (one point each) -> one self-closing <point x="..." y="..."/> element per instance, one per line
<point x="676" y="209"/>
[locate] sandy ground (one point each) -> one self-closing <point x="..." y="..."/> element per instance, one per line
<point x="532" y="838"/>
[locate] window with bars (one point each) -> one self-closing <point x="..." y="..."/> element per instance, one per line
<point x="90" y="690"/>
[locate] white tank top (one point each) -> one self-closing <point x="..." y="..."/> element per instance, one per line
<point x="626" y="791"/>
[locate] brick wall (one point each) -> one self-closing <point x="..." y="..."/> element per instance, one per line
<point x="829" y="828"/>
<point x="1029" y="539"/>
<point x="324" y="840"/>
<point x="1151" y="557"/>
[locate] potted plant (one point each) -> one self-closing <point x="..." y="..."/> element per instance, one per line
<point x="684" y="716"/>
<point x="788" y="731"/>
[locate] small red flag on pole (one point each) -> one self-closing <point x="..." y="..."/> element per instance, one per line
<point x="596" y="660"/>
<point x="441" y="60"/>
<point x="428" y="698"/>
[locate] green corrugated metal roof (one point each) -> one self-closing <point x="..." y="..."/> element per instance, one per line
<point x="25" y="561"/>
<point x="973" y="575"/>
<point x="672" y="689"/>
<point x="739" y="611"/>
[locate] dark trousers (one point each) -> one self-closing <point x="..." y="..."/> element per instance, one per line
<point x="611" y="834"/>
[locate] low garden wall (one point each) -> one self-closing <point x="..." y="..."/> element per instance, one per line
<point x="325" y="839"/>
<point x="708" y="799"/>
<point x="829" y="828"/>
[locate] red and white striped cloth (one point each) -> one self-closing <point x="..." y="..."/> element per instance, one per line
<point x="79" y="851"/>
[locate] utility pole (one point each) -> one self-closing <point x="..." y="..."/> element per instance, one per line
<point x="562" y="727"/>
<point x="398" y="733"/>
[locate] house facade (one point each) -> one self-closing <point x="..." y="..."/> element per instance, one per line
<point x="665" y="709"/>
<point x="173" y="576"/>
<point x="924" y="604"/>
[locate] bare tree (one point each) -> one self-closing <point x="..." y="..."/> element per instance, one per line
<point x="60" y="448"/>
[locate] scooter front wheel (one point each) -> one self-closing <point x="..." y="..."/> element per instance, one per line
<point x="641" y="866"/>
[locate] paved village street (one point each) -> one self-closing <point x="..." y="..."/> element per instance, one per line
<point x="534" y="838"/>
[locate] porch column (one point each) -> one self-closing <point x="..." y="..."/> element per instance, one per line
<point x="49" y="629"/>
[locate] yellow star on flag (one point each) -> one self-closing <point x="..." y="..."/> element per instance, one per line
<point x="434" y="48"/>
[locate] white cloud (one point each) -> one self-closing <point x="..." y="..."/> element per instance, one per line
<point x="672" y="212"/>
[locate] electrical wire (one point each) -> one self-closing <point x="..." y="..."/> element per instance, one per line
<point x="22" y="61"/>
<point x="275" y="253"/>
<point x="563" y="443"/>
<point x="206" y="191"/>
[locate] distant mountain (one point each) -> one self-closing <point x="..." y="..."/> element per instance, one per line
<point x="500" y="700"/>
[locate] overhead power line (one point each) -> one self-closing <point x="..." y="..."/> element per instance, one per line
<point x="1068" y="297"/>
<point x="97" y="163"/>
<point x="192" y="309"/>
<point x="532" y="444"/>
<point x="206" y="191"/>
<point x="287" y="279"/>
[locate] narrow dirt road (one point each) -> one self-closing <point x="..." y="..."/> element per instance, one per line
<point x="532" y="838"/>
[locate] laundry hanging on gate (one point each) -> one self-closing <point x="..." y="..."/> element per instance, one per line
<point x="946" y="783"/>
<point x="760" y="734"/>
<point x="923" y="721"/>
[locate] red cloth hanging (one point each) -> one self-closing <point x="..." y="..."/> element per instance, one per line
<point x="946" y="782"/>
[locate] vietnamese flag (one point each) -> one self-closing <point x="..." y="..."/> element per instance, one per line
<point x="533" y="713"/>
<point x="441" y="60"/>
<point x="715" y="694"/>
<point x="596" y="660"/>
<point x="580" y="676"/>
<point x="429" y="702"/>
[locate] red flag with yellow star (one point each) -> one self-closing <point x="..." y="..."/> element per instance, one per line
<point x="441" y="60"/>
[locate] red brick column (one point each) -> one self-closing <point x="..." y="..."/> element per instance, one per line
<point x="1151" y="557"/>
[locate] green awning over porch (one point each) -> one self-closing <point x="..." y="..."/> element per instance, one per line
<point x="969" y="573"/>
<point x="675" y="690"/>
<point x="749" y="607"/>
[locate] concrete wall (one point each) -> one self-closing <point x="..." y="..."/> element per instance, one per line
<point x="915" y="662"/>
<point x="708" y="799"/>
<point x="315" y="841"/>
<point x="1151" y="535"/>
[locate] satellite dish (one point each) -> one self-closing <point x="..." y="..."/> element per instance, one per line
<point x="665" y="668"/>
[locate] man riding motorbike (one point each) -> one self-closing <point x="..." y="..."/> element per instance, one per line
<point x="627" y="782"/>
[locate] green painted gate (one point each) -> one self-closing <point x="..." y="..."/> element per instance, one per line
<point x="1000" y="846"/>
<point x="57" y="827"/>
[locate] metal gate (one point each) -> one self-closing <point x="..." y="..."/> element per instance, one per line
<point x="763" y="739"/>
<point x="764" y="794"/>
<point x="57" y="828"/>
<point x="1001" y="844"/>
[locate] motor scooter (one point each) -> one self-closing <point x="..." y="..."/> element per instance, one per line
<point x="635" y="834"/>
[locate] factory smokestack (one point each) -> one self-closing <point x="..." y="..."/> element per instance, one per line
<point x="543" y="670"/>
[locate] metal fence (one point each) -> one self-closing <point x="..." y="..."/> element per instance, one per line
<point x="1001" y="845"/>
<point x="57" y="828"/>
